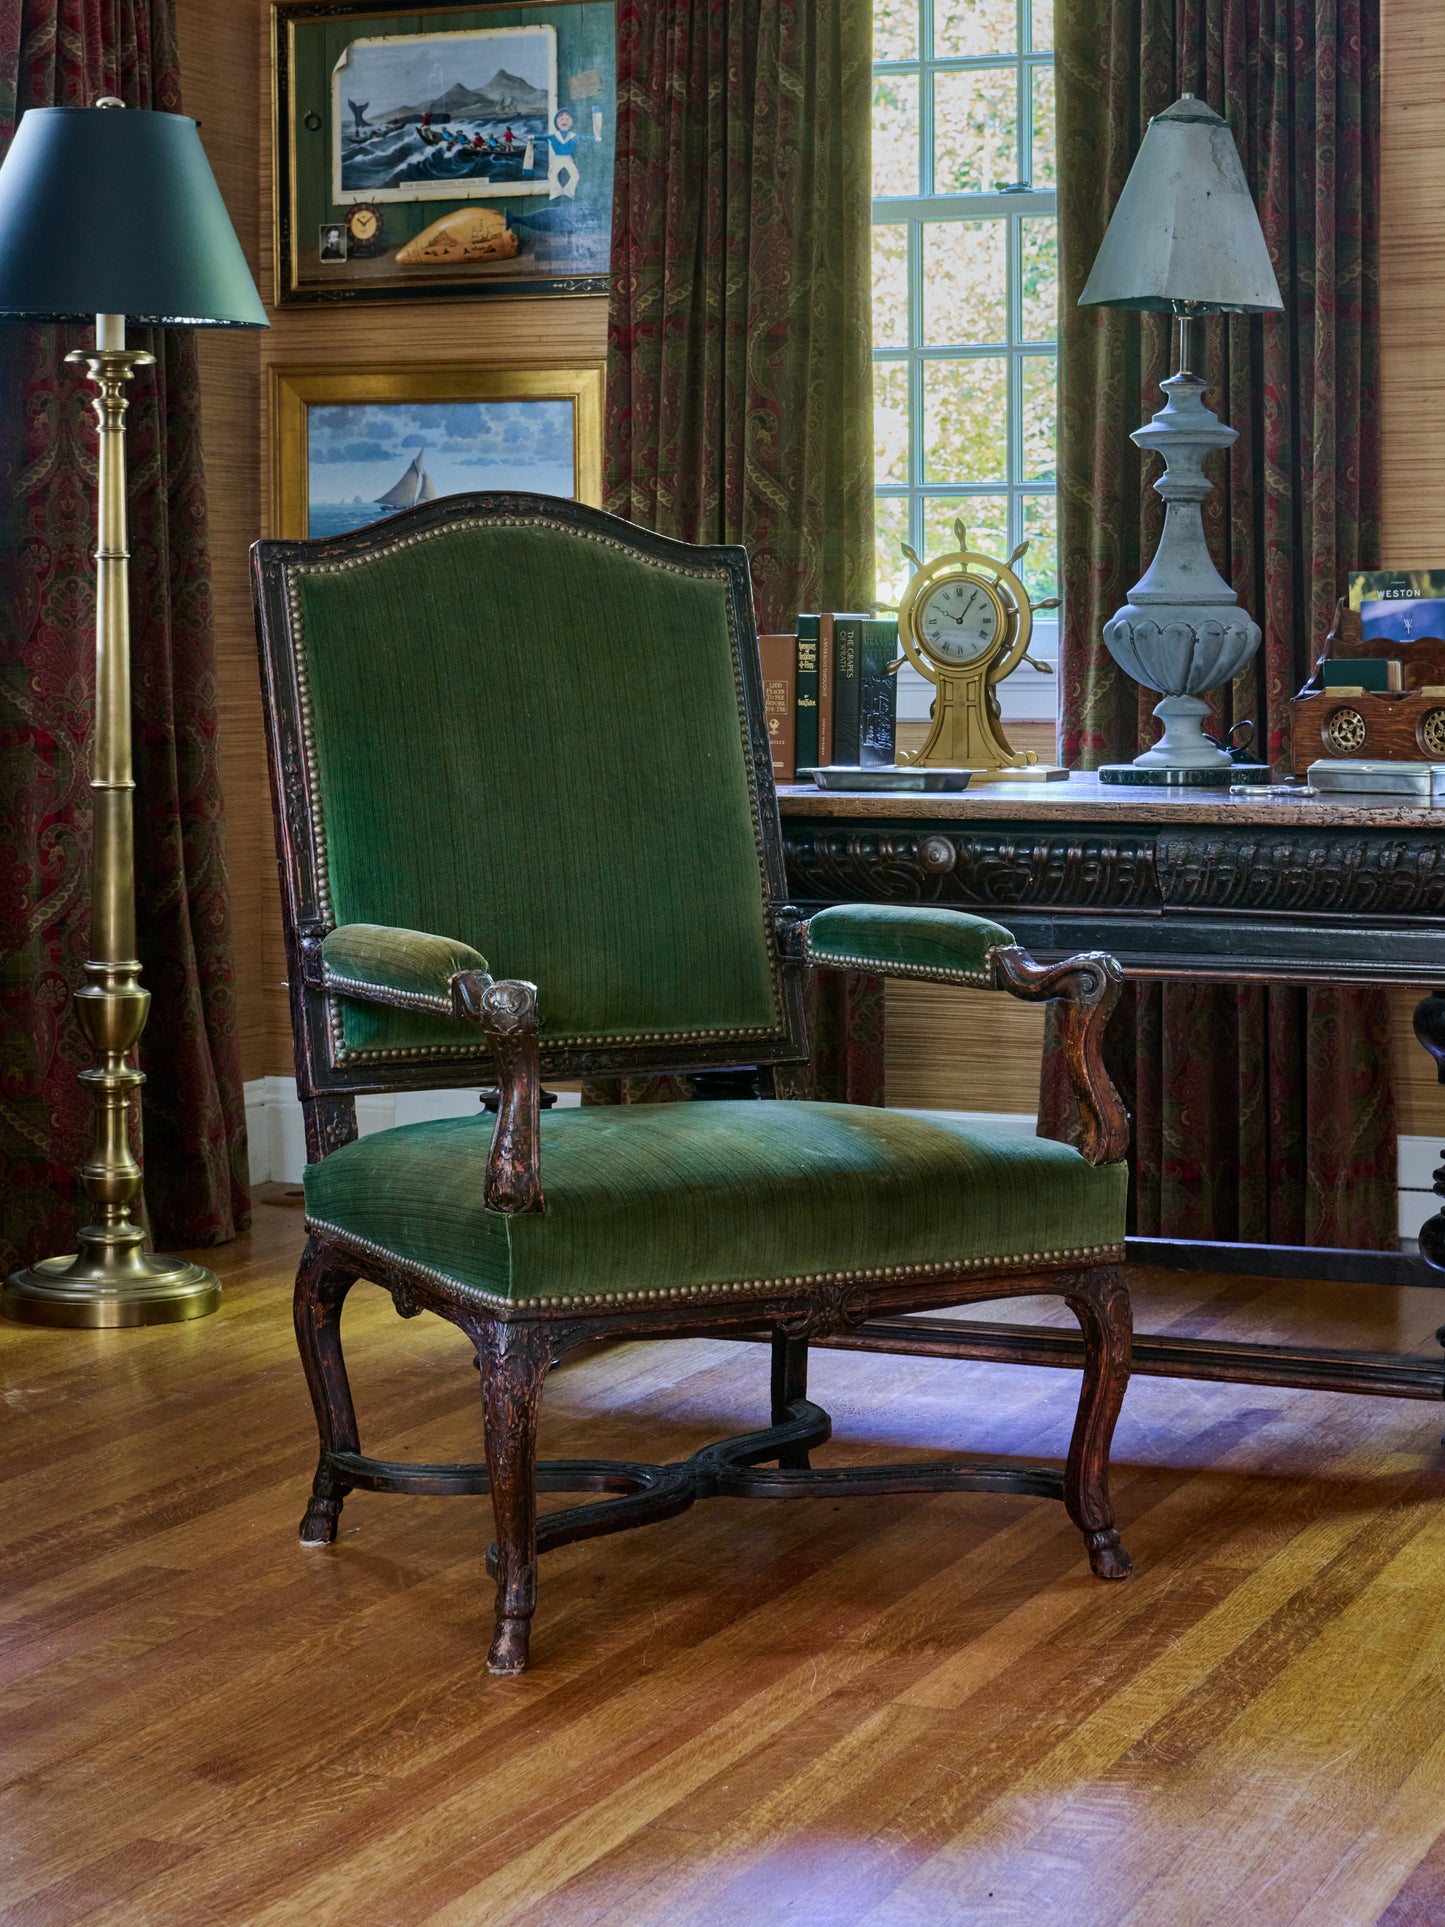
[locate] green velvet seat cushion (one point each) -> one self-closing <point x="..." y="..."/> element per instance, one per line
<point x="675" y="1199"/>
<point x="362" y="959"/>
<point x="906" y="941"/>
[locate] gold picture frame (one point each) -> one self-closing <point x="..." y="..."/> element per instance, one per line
<point x="296" y="391"/>
<point x="542" y="223"/>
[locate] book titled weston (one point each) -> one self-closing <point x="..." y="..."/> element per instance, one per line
<point x="779" y="656"/>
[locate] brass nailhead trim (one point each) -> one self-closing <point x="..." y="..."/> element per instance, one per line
<point x="747" y="1287"/>
<point x="384" y="993"/>
<point x="936" y="973"/>
<point x="463" y="1048"/>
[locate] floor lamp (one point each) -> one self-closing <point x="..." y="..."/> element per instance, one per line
<point x="116" y="215"/>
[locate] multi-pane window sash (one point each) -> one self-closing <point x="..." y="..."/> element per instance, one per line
<point x="965" y="295"/>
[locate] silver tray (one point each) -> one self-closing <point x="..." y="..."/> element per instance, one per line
<point x="844" y="776"/>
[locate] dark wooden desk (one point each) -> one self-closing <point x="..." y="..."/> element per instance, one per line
<point x="1176" y="885"/>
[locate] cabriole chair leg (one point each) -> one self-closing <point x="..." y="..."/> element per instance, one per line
<point x="1102" y="1309"/>
<point x="322" y="1282"/>
<point x="515" y="1359"/>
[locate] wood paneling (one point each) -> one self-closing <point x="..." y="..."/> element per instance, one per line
<point x="893" y="1711"/>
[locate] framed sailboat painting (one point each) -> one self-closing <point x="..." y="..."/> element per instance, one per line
<point x="357" y="444"/>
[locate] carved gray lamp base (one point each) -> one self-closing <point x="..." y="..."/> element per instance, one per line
<point x="1182" y="630"/>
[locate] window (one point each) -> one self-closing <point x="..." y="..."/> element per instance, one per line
<point x="965" y="293"/>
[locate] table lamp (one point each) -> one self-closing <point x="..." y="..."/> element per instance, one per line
<point x="1184" y="238"/>
<point x="114" y="214"/>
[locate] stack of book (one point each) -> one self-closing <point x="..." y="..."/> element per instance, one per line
<point x="830" y="694"/>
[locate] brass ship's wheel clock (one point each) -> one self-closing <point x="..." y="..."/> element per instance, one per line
<point x="965" y="622"/>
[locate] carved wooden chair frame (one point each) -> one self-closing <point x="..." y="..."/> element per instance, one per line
<point x="516" y="1347"/>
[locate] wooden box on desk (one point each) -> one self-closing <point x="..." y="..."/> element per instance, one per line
<point x="1406" y="725"/>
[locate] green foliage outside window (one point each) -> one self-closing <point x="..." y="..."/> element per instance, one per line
<point x="965" y="280"/>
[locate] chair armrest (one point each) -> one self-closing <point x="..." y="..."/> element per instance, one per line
<point x="951" y="947"/>
<point x="408" y="969"/>
<point x="413" y="970"/>
<point x="897" y="940"/>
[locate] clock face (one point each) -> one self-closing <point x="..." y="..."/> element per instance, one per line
<point x="364" y="223"/>
<point x="959" y="621"/>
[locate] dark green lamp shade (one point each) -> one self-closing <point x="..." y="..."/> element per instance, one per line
<point x="110" y="210"/>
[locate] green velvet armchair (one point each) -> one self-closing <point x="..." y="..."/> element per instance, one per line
<point x="527" y="829"/>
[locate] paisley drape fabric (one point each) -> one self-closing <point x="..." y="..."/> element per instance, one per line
<point x="1260" y="1112"/>
<point x="65" y="53"/>
<point x="739" y="371"/>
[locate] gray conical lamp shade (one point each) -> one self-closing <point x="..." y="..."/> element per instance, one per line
<point x="109" y="210"/>
<point x="1185" y="227"/>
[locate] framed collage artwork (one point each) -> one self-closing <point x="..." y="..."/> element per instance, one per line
<point x="426" y="151"/>
<point x="355" y="445"/>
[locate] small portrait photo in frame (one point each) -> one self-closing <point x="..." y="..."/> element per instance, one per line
<point x="356" y="445"/>
<point x="479" y="139"/>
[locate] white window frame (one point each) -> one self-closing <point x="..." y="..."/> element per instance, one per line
<point x="1022" y="697"/>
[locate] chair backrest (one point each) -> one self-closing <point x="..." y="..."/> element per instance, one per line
<point x="518" y="722"/>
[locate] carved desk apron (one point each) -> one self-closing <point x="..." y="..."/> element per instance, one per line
<point x="1308" y="892"/>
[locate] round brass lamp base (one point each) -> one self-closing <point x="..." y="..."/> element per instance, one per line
<point x="151" y="1290"/>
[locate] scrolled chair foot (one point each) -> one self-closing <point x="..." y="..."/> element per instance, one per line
<point x="509" y="1646"/>
<point x="318" y="1527"/>
<point x="1107" y="1556"/>
<point x="323" y="1508"/>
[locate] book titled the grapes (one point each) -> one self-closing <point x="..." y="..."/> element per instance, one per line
<point x="865" y="690"/>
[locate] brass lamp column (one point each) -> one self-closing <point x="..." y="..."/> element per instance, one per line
<point x="177" y="262"/>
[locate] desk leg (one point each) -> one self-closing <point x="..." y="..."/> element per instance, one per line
<point x="1430" y="1029"/>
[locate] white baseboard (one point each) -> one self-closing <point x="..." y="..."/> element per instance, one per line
<point x="278" y="1140"/>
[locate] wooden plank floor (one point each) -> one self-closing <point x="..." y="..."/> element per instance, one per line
<point x="880" y="1711"/>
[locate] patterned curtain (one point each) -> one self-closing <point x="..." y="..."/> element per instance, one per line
<point x="739" y="371"/>
<point x="1261" y="1112"/>
<point x="65" y="53"/>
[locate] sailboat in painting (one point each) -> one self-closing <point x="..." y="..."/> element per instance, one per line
<point x="416" y="485"/>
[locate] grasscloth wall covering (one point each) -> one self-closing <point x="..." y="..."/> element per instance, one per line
<point x="1259" y="1112"/>
<point x="66" y="52"/>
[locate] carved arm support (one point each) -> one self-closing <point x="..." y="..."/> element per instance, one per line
<point x="1086" y="987"/>
<point x="951" y="947"/>
<point x="507" y="1013"/>
<point x="414" y="970"/>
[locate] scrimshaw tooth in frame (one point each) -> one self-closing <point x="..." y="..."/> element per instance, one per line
<point x="428" y="114"/>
